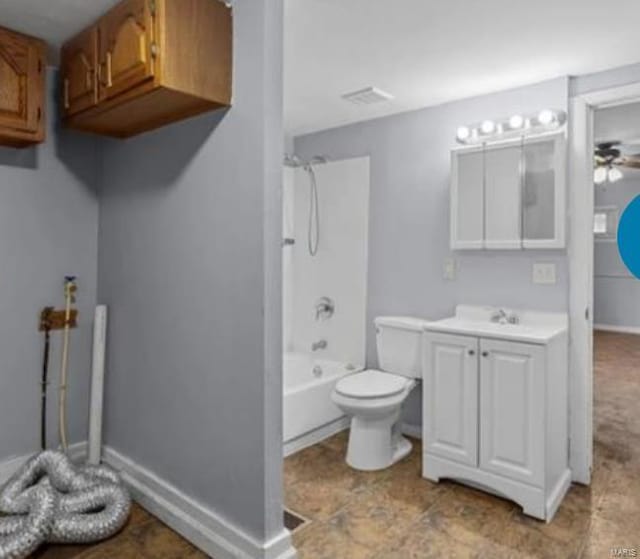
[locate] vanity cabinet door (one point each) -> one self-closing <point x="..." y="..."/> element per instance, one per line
<point x="544" y="192"/>
<point x="512" y="408"/>
<point x="450" y="397"/>
<point x="503" y="187"/>
<point x="467" y="199"/>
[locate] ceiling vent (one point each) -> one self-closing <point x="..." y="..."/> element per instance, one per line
<point x="367" y="96"/>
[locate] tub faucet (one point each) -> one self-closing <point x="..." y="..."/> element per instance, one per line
<point x="322" y="344"/>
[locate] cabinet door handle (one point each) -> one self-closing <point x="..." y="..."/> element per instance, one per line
<point x="109" y="76"/>
<point x="108" y="81"/>
<point x="472" y="352"/>
<point x="66" y="93"/>
<point x="485" y="354"/>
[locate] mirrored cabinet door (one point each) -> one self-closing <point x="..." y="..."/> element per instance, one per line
<point x="543" y="205"/>
<point x="503" y="185"/>
<point x="467" y="200"/>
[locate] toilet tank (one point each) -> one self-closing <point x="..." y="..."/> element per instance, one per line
<point x="399" y="343"/>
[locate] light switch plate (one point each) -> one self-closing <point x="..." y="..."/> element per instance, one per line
<point x="450" y="269"/>
<point x="544" y="273"/>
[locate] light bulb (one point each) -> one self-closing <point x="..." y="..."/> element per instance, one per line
<point x="516" y="122"/>
<point x="615" y="174"/>
<point x="600" y="175"/>
<point x="463" y="133"/>
<point x="488" y="126"/>
<point x="546" y="117"/>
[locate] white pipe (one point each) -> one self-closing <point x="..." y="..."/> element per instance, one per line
<point x="97" y="385"/>
<point x="62" y="402"/>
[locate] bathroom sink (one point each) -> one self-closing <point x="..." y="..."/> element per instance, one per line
<point x="532" y="326"/>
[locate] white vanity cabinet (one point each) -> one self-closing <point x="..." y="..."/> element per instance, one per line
<point x="495" y="413"/>
<point x="509" y="194"/>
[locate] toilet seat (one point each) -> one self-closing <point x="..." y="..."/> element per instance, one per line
<point x="371" y="384"/>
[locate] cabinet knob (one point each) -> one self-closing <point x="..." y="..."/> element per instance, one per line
<point x="472" y="352"/>
<point x="485" y="354"/>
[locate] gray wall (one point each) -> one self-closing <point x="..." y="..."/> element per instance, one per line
<point x="616" y="290"/>
<point x="409" y="223"/>
<point x="616" y="77"/>
<point x="190" y="266"/>
<point x="48" y="229"/>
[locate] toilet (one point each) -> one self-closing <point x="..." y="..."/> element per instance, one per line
<point x="374" y="398"/>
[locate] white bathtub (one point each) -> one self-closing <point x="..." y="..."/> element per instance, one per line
<point x="309" y="413"/>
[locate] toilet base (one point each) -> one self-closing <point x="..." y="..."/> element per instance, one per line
<point x="376" y="445"/>
<point x="403" y="449"/>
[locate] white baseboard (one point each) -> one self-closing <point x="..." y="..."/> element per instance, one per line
<point x="414" y="431"/>
<point x="316" y="436"/>
<point x="10" y="466"/>
<point x="200" y="525"/>
<point x="195" y="522"/>
<point x="620" y="329"/>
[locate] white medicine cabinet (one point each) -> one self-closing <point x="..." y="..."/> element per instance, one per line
<point x="509" y="194"/>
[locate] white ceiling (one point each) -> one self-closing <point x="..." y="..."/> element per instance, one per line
<point x="427" y="52"/>
<point x="620" y="123"/>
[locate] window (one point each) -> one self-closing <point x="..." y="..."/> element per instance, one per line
<point x="605" y="223"/>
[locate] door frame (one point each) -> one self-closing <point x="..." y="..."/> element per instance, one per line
<point x="580" y="252"/>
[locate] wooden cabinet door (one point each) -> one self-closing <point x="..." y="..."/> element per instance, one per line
<point x="450" y="397"/>
<point x="512" y="410"/>
<point x="21" y="68"/>
<point x="79" y="72"/>
<point x="467" y="199"/>
<point x="127" y="48"/>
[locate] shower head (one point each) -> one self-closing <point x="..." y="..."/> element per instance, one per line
<point x="292" y="161"/>
<point x="318" y="160"/>
<point x="295" y="162"/>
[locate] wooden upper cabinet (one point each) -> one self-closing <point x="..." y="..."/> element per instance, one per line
<point x="22" y="80"/>
<point x="127" y="47"/>
<point x="158" y="61"/>
<point x="79" y="72"/>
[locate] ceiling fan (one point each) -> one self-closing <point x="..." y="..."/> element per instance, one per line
<point x="609" y="157"/>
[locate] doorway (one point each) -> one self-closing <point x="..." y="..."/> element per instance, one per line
<point x="593" y="259"/>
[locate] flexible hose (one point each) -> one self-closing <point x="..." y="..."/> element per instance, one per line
<point x="49" y="499"/>
<point x="314" y="213"/>
<point x="62" y="408"/>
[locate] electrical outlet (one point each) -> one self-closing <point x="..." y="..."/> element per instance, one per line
<point x="450" y="269"/>
<point x="544" y="273"/>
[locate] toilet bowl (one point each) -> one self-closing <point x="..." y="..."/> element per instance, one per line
<point x="374" y="398"/>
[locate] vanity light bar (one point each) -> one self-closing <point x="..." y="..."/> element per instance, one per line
<point x="516" y="125"/>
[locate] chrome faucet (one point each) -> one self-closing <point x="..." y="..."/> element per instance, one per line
<point x="322" y="344"/>
<point x="325" y="307"/>
<point x="502" y="317"/>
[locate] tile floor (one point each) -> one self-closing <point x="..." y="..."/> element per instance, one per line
<point x="395" y="514"/>
<point x="144" y="537"/>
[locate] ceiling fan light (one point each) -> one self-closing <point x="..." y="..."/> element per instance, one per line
<point x="615" y="174"/>
<point x="600" y="175"/>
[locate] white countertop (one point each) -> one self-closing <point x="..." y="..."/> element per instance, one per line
<point x="534" y="327"/>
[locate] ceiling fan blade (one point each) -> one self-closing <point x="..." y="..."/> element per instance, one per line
<point x="631" y="162"/>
